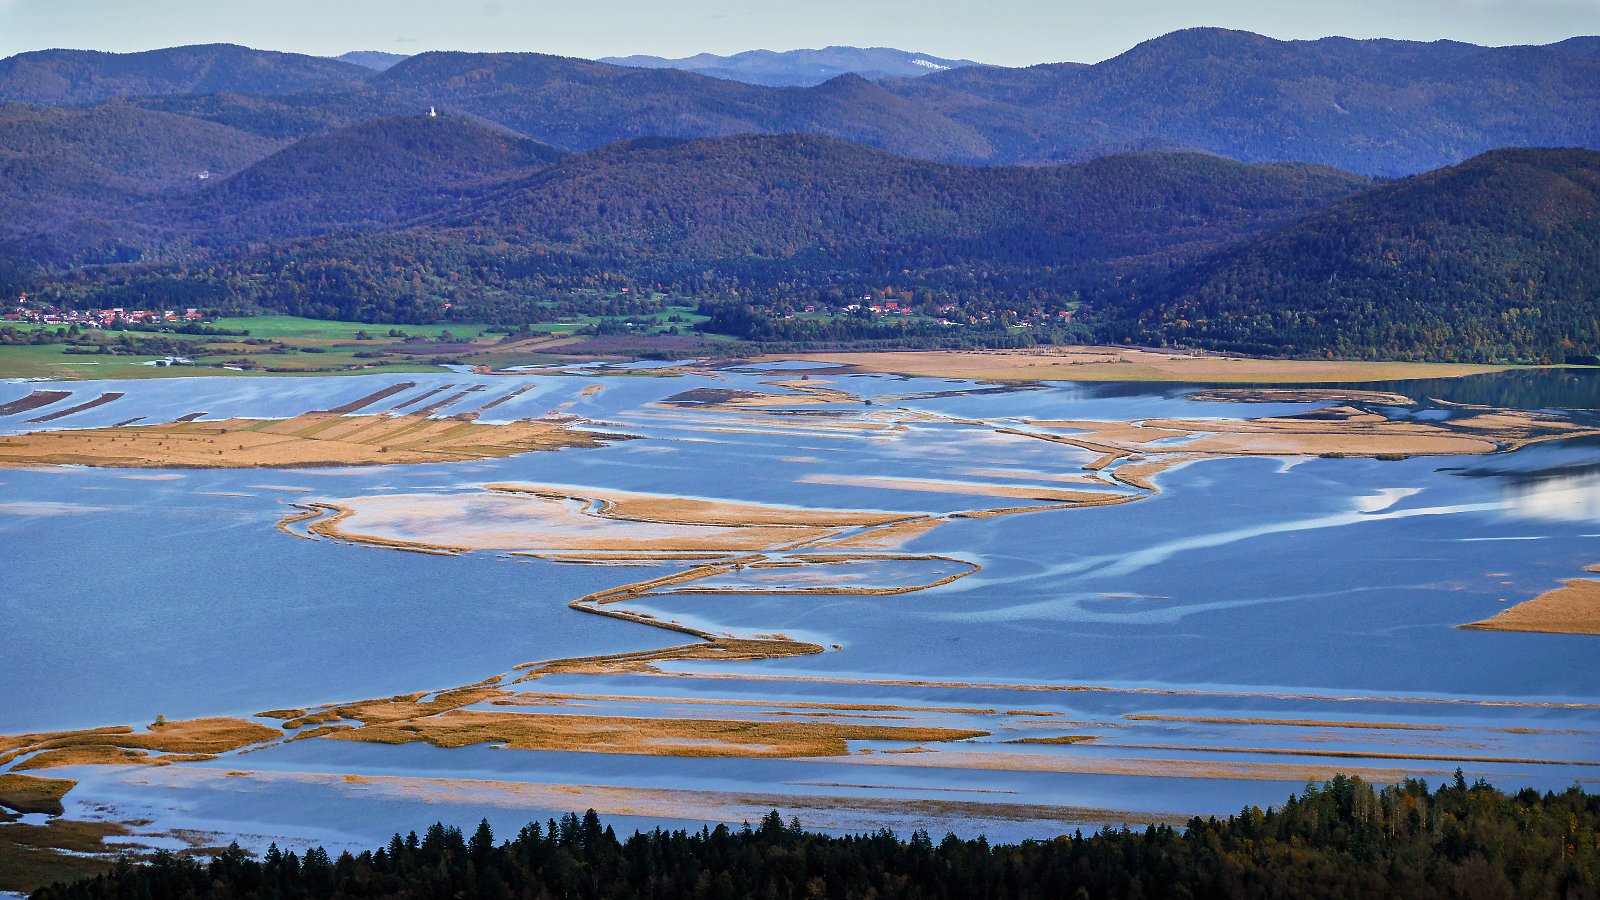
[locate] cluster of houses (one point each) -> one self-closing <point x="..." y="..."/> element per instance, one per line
<point x="45" y="314"/>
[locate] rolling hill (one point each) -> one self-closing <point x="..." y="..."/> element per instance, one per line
<point x="1497" y="258"/>
<point x="809" y="197"/>
<point x="88" y="76"/>
<point x="72" y="179"/>
<point x="380" y="173"/>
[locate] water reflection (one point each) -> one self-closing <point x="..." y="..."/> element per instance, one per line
<point x="1571" y="498"/>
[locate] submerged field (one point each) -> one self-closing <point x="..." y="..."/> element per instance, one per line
<point x="864" y="599"/>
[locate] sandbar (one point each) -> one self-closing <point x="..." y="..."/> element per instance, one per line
<point x="1127" y="364"/>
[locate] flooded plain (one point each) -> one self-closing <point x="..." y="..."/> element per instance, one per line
<point x="866" y="600"/>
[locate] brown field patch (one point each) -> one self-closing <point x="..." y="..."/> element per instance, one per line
<point x="372" y="398"/>
<point x="101" y="400"/>
<point x="312" y="439"/>
<point x="33" y="401"/>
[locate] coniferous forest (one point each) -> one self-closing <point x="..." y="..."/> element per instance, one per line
<point x="1345" y="839"/>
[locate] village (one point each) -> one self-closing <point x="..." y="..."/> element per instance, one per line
<point x="38" y="313"/>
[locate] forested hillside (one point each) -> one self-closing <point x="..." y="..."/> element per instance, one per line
<point x="1496" y="258"/>
<point x="777" y="220"/>
<point x="87" y="76"/>
<point x="72" y="179"/>
<point x="1382" y="107"/>
<point x="830" y="202"/>
<point x="1342" y="841"/>
<point x="380" y="173"/>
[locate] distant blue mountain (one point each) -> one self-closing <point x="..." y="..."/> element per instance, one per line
<point x="377" y="60"/>
<point x="794" y="68"/>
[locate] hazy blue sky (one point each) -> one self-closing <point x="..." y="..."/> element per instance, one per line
<point x="1007" y="32"/>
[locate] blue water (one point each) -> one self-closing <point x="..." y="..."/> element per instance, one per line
<point x="1339" y="582"/>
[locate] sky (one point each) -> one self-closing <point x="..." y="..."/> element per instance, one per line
<point x="1002" y="32"/>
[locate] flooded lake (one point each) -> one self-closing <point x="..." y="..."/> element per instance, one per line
<point x="864" y="599"/>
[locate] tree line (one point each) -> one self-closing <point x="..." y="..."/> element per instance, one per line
<point x="1343" y="839"/>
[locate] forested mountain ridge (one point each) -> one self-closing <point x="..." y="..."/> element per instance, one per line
<point x="150" y="149"/>
<point x="1378" y="107"/>
<point x="1382" y="107"/>
<point x="72" y="178"/>
<point x="88" y="76"/>
<point x="1497" y="258"/>
<point x="775" y="217"/>
<point x="579" y="104"/>
<point x="799" y="195"/>
<point x="379" y="173"/>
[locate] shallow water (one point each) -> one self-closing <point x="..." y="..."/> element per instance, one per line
<point x="1255" y="591"/>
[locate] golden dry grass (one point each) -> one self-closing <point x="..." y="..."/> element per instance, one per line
<point x="887" y="537"/>
<point x="312" y="439"/>
<point x="191" y="738"/>
<point x="32" y="856"/>
<point x="1127" y="364"/>
<point x="1573" y="608"/>
<point x="88" y="755"/>
<point x="646" y="736"/>
<point x="30" y="794"/>
<point x="716" y="649"/>
<point x="541" y="699"/>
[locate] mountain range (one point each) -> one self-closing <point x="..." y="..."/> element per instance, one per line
<point x="801" y="68"/>
<point x="1208" y="188"/>
<point x="1377" y="107"/>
